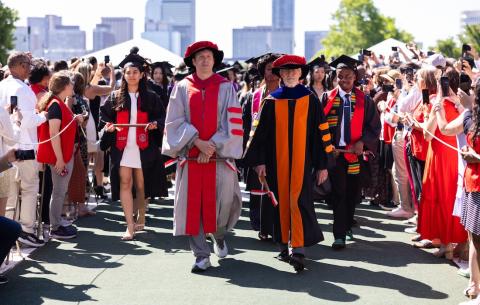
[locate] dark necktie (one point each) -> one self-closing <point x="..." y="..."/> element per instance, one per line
<point x="346" y="118"/>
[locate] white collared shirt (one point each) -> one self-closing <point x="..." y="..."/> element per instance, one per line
<point x="342" y="95"/>
<point x="27" y="102"/>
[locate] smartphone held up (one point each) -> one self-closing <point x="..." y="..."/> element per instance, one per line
<point x="13" y="103"/>
<point x="425" y="97"/>
<point x="445" y="85"/>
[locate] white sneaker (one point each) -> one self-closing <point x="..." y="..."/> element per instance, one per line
<point x="220" y="248"/>
<point x="411" y="230"/>
<point x="201" y="264"/>
<point x="411" y="221"/>
<point x="400" y="213"/>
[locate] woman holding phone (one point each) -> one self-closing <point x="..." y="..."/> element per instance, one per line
<point x="439" y="190"/>
<point x="94" y="90"/>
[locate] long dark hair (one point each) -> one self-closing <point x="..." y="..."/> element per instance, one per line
<point x="324" y="80"/>
<point x="164" y="76"/>
<point x="475" y="129"/>
<point x="453" y="78"/>
<point x="123" y="99"/>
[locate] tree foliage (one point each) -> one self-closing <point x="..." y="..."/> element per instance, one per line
<point x="448" y="47"/>
<point x="472" y="36"/>
<point x="8" y="17"/>
<point x="359" y="24"/>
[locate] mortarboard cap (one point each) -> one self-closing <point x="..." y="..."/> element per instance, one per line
<point x="253" y="60"/>
<point x="318" y="61"/>
<point x="264" y="60"/>
<point x="134" y="60"/>
<point x="241" y="66"/>
<point x="345" y="62"/>
<point x="225" y="68"/>
<point x="165" y="65"/>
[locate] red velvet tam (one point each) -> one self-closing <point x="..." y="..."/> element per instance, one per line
<point x="199" y="46"/>
<point x="290" y="62"/>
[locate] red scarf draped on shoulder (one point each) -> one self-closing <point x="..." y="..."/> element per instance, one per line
<point x="201" y="194"/>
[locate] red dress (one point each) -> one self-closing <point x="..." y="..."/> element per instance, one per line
<point x="440" y="187"/>
<point x="417" y="140"/>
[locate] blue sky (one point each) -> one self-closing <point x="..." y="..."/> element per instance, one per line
<point x="427" y="20"/>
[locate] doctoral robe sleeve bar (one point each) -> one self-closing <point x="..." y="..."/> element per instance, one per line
<point x="229" y="137"/>
<point x="179" y="133"/>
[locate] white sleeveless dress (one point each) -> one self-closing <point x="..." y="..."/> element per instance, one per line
<point x="131" y="153"/>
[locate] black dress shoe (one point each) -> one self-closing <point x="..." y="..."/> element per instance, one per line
<point x="297" y="260"/>
<point x="283" y="256"/>
<point x="3" y="279"/>
<point x="99" y="192"/>
<point x="338" y="244"/>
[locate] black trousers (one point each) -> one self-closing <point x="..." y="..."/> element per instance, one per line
<point x="345" y="195"/>
<point x="417" y="167"/>
<point x="255" y="201"/>
<point x="47" y="193"/>
<point x="9" y="232"/>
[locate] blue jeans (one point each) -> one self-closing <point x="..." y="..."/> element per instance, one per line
<point x="9" y="232"/>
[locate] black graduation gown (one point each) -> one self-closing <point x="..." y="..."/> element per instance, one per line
<point x="161" y="92"/>
<point x="346" y="188"/>
<point x="272" y="135"/>
<point x="371" y="124"/>
<point x="151" y="158"/>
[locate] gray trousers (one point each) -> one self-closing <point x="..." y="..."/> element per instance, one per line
<point x="59" y="192"/>
<point x="199" y="245"/>
<point x="400" y="174"/>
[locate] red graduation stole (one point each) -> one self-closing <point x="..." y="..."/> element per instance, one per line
<point x="123" y="117"/>
<point x="356" y="124"/>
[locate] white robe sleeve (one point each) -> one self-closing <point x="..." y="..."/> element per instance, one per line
<point x="179" y="132"/>
<point x="229" y="137"/>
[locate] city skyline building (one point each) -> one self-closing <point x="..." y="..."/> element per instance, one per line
<point x="469" y="18"/>
<point x="112" y="31"/>
<point x="170" y="23"/>
<point x="313" y="42"/>
<point x="278" y="37"/>
<point x="48" y="37"/>
<point x="103" y="37"/>
<point x="121" y="27"/>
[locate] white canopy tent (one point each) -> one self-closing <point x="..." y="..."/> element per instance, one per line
<point x="147" y="49"/>
<point x="385" y="48"/>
